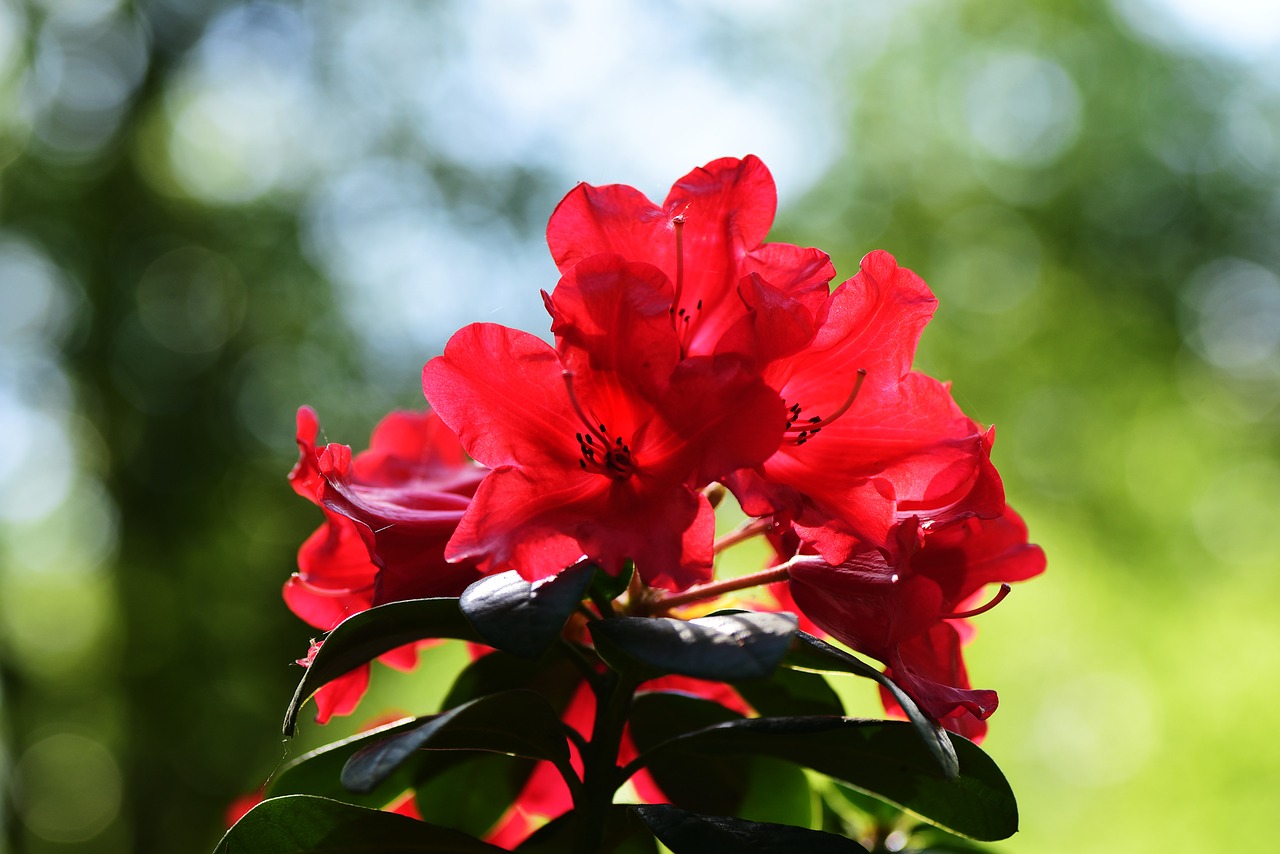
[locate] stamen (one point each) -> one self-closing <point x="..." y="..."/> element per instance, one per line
<point x="996" y="600"/>
<point x="815" y="423"/>
<point x="615" y="460"/>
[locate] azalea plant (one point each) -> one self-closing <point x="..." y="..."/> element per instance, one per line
<point x="556" y="508"/>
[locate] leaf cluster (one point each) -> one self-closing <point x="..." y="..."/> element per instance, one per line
<point x="796" y="775"/>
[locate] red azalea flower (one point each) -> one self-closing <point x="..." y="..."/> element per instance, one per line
<point x="706" y="237"/>
<point x="601" y="452"/>
<point x="389" y="512"/>
<point x="868" y="439"/>
<point x="910" y="614"/>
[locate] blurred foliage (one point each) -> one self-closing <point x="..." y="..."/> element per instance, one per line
<point x="212" y="213"/>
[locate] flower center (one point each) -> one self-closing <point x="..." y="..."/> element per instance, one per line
<point x="599" y="450"/>
<point x="798" y="431"/>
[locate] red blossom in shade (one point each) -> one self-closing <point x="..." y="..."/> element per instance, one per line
<point x="599" y="449"/>
<point x="706" y="237"/>
<point x="868" y="439"/>
<point x="909" y="614"/>
<point x="389" y="512"/>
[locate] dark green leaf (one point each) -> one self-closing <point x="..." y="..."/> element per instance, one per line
<point x="367" y="635"/>
<point x="885" y="758"/>
<point x="318" y="772"/>
<point x="720" y="782"/>
<point x="605" y="587"/>
<point x="791" y="692"/>
<point x="459" y="789"/>
<point x="553" y="676"/>
<point x="757" y="788"/>
<point x="520" y="723"/>
<point x="809" y="653"/>
<point x="689" y="833"/>
<point x="931" y="840"/>
<point x="297" y="824"/>
<point x="724" y="647"/>
<point x="469" y="791"/>
<point x="521" y="617"/>
<point x="624" y="833"/>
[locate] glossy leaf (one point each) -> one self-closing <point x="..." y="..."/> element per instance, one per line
<point x="553" y="676"/>
<point x="791" y="692"/>
<point x="686" y="832"/>
<point x="520" y="723"/>
<point x="885" y="758"/>
<point x="297" y="824"/>
<point x="459" y="789"/>
<point x="521" y="617"/>
<point x="469" y="791"/>
<point x="368" y="634"/>
<point x="810" y="653"/>
<point x="721" y="647"/>
<point x="624" y="833"/>
<point x="317" y="772"/>
<point x="757" y="788"/>
<point x="720" y="782"/>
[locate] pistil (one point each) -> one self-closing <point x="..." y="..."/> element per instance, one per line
<point x="996" y="600"/>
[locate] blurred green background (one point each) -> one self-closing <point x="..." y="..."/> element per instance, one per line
<point x="213" y="212"/>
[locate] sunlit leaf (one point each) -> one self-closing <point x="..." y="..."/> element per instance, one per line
<point x="885" y="758"/>
<point x="722" y="647"/>
<point x="521" y="617"/>
<point x="368" y="634"/>
<point x="297" y="824"/>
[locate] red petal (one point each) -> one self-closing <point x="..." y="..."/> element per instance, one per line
<point x="502" y="392"/>
<point x="615" y="316"/>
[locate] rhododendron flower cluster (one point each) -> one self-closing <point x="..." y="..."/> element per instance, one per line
<point x="575" y="483"/>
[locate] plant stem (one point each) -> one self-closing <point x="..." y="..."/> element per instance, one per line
<point x="713" y="589"/>
<point x="600" y="774"/>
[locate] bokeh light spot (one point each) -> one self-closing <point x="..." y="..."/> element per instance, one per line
<point x="69" y="788"/>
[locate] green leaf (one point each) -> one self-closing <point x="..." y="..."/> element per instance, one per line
<point x="364" y="636"/>
<point x="605" y="587"/>
<point x="318" y="772"/>
<point x="469" y="791"/>
<point x="520" y="723"/>
<point x="722" y="647"/>
<point x="554" y="676"/>
<point x="757" y="788"/>
<point x="885" y="758"/>
<point x="791" y="692"/>
<point x="719" y="784"/>
<point x="689" y="833"/>
<point x="301" y="823"/>
<point x="521" y="617"/>
<point x="624" y="833"/>
<point x="809" y="653"/>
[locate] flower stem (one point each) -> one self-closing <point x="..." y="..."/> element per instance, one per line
<point x="743" y="532"/>
<point x="713" y="589"/>
<point x="600" y="773"/>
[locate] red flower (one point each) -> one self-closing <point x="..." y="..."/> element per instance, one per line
<point x="389" y="512"/>
<point x="910" y="614"/>
<point x="706" y="237"/>
<point x="868" y="439"/>
<point x="600" y="449"/>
